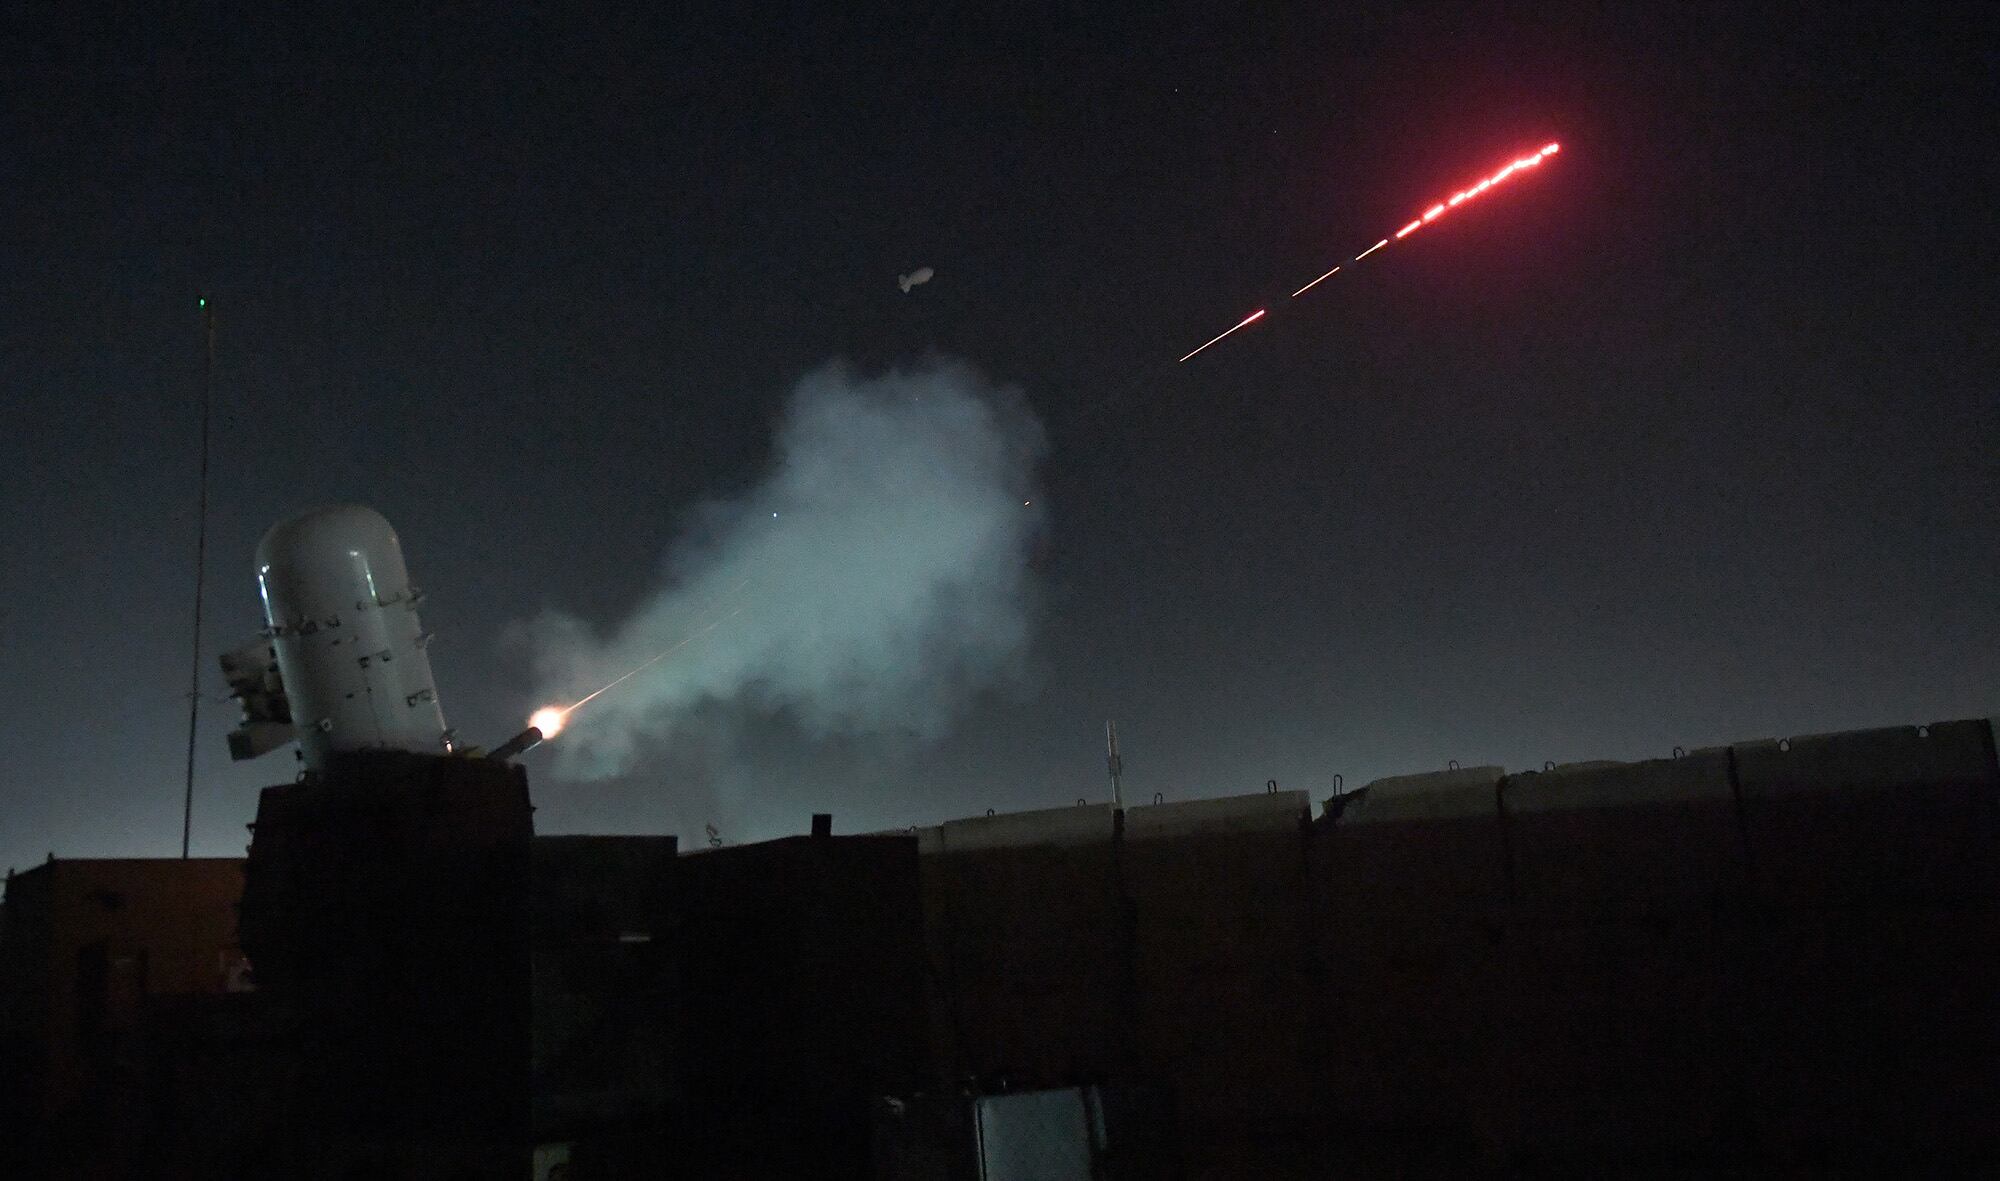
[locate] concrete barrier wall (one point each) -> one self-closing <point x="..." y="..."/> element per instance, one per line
<point x="801" y="975"/>
<point x="1868" y="817"/>
<point x="1224" y="974"/>
<point x="1623" y="841"/>
<point x="1027" y="964"/>
<point x="1610" y="1028"/>
<point x="1408" y="887"/>
<point x="1766" y="957"/>
<point x="1762" y="953"/>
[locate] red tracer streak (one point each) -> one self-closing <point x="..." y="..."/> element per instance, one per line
<point x="1432" y="213"/>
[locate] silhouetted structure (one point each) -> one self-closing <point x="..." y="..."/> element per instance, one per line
<point x="386" y="910"/>
<point x="1776" y="955"/>
<point x="100" y="959"/>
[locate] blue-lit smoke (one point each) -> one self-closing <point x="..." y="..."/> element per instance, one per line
<point x="877" y="577"/>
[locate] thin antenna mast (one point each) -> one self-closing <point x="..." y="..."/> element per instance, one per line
<point x="200" y="568"/>
<point x="1116" y="764"/>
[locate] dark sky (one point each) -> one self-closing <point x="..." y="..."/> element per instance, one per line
<point x="1689" y="436"/>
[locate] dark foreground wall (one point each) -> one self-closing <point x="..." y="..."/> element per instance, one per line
<point x="801" y="1002"/>
<point x="606" y="1000"/>
<point x="1773" y="955"/>
<point x="102" y="962"/>
<point x="385" y="910"/>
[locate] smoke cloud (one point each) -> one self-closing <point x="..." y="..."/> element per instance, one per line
<point x="872" y="583"/>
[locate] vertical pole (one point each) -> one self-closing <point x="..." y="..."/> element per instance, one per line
<point x="1116" y="764"/>
<point x="200" y="569"/>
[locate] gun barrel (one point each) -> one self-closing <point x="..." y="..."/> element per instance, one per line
<point x="521" y="743"/>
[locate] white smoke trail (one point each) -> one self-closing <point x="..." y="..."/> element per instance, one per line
<point x="878" y="577"/>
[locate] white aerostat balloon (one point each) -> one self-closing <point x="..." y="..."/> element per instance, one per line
<point x="916" y="278"/>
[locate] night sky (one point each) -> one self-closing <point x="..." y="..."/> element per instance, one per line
<point x="1687" y="437"/>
